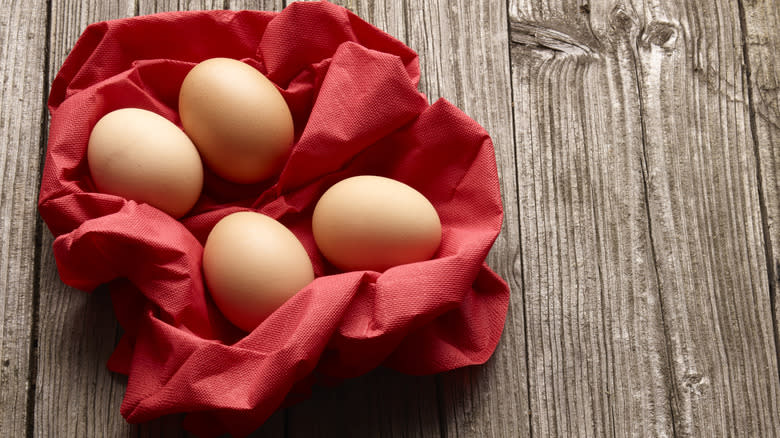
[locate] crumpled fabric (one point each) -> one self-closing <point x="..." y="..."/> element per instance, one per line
<point x="352" y="90"/>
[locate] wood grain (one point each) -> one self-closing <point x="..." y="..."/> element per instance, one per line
<point x="256" y="5"/>
<point x="761" y="40"/>
<point x="145" y="7"/>
<point x="22" y="33"/>
<point x="387" y="15"/>
<point x="276" y="426"/>
<point x="596" y="349"/>
<point x="75" y="395"/>
<point x="170" y="426"/>
<point x="706" y="220"/>
<point x="381" y="403"/>
<point x="638" y="150"/>
<point x="463" y="48"/>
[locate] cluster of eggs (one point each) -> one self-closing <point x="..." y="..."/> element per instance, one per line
<point x="237" y="123"/>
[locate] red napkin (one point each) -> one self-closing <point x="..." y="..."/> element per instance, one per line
<point x="352" y="90"/>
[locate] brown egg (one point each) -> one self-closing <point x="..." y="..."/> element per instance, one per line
<point x="374" y="223"/>
<point x="252" y="265"/>
<point x="142" y="156"/>
<point x="237" y="118"/>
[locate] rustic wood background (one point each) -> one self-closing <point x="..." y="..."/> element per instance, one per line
<point x="638" y="144"/>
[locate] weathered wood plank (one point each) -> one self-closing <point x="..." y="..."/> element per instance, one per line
<point x="706" y="219"/>
<point x="596" y="347"/>
<point x="22" y="38"/>
<point x="75" y="394"/>
<point x="276" y="426"/>
<point x="381" y="403"/>
<point x="256" y="5"/>
<point x="463" y="48"/>
<point x="146" y="7"/>
<point x="387" y="15"/>
<point x="170" y="426"/>
<point x="761" y="21"/>
<point x="627" y="118"/>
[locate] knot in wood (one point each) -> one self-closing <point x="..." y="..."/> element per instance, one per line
<point x="695" y="383"/>
<point x="544" y="38"/>
<point x="660" y="33"/>
<point x="621" y="19"/>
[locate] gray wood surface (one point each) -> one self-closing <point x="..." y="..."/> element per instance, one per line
<point x="463" y="47"/>
<point x="22" y="25"/>
<point x="596" y="352"/>
<point x="706" y="220"/>
<point x="381" y="403"/>
<point x="761" y="42"/>
<point x="75" y="395"/>
<point x="639" y="157"/>
<point x="70" y="390"/>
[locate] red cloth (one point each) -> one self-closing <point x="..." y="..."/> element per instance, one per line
<point x="352" y="90"/>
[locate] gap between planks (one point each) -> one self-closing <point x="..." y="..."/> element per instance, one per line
<point x="32" y="374"/>
<point x="772" y="274"/>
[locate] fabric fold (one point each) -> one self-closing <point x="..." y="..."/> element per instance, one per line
<point x="352" y="90"/>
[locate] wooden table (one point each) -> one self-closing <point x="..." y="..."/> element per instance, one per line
<point x="638" y="146"/>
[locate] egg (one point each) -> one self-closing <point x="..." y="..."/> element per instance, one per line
<point x="140" y="155"/>
<point x="237" y="118"/>
<point x="373" y="223"/>
<point x="252" y="265"/>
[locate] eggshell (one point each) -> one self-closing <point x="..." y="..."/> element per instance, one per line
<point x="373" y="223"/>
<point x="142" y="156"/>
<point x="252" y="265"/>
<point x="237" y="118"/>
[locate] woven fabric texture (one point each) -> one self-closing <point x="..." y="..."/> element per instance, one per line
<point x="352" y="90"/>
